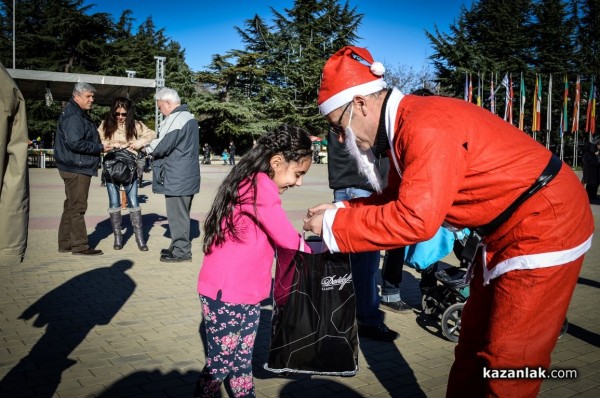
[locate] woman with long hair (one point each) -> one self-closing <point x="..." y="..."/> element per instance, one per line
<point x="120" y="130"/>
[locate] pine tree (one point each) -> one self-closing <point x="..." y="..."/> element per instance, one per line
<point x="275" y="78"/>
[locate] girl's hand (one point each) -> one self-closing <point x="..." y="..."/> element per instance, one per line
<point x="314" y="223"/>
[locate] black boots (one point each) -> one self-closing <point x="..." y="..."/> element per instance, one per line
<point x="115" y="220"/>
<point x="136" y="221"/>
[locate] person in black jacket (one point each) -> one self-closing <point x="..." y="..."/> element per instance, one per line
<point x="77" y="149"/>
<point x="591" y="168"/>
<point x="347" y="183"/>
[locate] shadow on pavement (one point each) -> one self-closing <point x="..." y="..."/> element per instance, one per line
<point x="153" y="383"/>
<point x="69" y="313"/>
<point x="103" y="229"/>
<point x="584" y="334"/>
<point x="588" y="282"/>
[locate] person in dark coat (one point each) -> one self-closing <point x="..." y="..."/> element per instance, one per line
<point x="591" y="168"/>
<point x="77" y="149"/>
<point x="176" y="170"/>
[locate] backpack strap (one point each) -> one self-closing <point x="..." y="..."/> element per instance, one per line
<point x="477" y="234"/>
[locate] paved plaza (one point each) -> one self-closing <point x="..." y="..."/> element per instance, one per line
<point x="126" y="325"/>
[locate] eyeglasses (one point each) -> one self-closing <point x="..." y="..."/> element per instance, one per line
<point x="117" y="114"/>
<point x="337" y="128"/>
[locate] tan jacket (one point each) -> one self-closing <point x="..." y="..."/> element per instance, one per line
<point x="144" y="134"/>
<point x="14" y="187"/>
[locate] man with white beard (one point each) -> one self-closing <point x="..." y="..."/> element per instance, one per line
<point x="461" y="164"/>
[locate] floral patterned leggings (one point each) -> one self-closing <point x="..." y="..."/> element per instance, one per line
<point x="230" y="334"/>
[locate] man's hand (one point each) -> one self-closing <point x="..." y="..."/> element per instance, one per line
<point x="106" y="147"/>
<point x="319" y="209"/>
<point x="314" y="218"/>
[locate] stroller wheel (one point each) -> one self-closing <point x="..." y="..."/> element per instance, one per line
<point x="451" y="321"/>
<point x="430" y="302"/>
<point x="564" y="328"/>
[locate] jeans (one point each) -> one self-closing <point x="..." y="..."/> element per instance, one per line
<point x="364" y="271"/>
<point x="114" y="196"/>
<point x="391" y="274"/>
<point x="72" y="233"/>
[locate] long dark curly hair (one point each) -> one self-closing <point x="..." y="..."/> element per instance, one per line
<point x="110" y="120"/>
<point x="293" y="143"/>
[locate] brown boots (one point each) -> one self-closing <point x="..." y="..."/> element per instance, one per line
<point x="136" y="220"/>
<point x="135" y="216"/>
<point x="115" y="220"/>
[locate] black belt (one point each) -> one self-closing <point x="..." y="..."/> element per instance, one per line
<point x="474" y="240"/>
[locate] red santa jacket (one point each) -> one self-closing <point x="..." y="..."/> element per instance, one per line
<point x="462" y="164"/>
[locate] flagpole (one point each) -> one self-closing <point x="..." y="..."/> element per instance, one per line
<point x="549" y="113"/>
<point x="562" y="138"/>
<point x="575" y="125"/>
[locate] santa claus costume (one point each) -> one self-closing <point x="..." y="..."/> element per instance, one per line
<point x="462" y="164"/>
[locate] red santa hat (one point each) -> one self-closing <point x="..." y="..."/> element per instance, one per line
<point x="349" y="72"/>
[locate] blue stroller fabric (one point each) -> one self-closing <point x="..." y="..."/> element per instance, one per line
<point x="423" y="254"/>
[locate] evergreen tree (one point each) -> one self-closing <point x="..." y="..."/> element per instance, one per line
<point x="275" y="78"/>
<point x="588" y="38"/>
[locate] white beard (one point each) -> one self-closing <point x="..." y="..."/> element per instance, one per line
<point x="365" y="160"/>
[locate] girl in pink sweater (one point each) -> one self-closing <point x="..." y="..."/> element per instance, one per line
<point x="242" y="230"/>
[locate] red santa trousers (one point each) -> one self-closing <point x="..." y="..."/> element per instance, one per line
<point x="512" y="323"/>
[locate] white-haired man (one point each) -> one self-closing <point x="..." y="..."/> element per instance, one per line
<point x="176" y="170"/>
<point x="459" y="163"/>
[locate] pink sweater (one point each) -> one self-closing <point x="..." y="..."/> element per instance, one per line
<point x="242" y="270"/>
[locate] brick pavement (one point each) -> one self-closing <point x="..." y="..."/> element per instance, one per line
<point x="126" y="325"/>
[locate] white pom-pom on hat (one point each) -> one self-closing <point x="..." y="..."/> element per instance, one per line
<point x="377" y="68"/>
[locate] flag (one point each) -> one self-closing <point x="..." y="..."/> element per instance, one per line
<point x="466" y="86"/>
<point x="522" y="104"/>
<point x="470" y="88"/>
<point x="508" y="102"/>
<point x="560" y="127"/>
<point x="549" y="108"/>
<point x="563" y="113"/>
<point x="590" y="121"/>
<point x="492" y="96"/>
<point x="575" y="125"/>
<point x="536" y="115"/>
<point x="479" y="89"/>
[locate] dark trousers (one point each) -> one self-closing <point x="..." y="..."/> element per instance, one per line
<point x="391" y="275"/>
<point x="592" y="191"/>
<point x="178" y="214"/>
<point x="72" y="233"/>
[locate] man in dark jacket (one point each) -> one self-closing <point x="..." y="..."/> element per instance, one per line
<point x="77" y="149"/>
<point x="176" y="170"/>
<point x="348" y="183"/>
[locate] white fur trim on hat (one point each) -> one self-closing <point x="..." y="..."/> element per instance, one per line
<point x="343" y="97"/>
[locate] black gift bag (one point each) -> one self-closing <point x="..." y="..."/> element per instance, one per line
<point x="314" y="326"/>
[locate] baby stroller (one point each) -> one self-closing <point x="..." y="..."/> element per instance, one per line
<point x="447" y="299"/>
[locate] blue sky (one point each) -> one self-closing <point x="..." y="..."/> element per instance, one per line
<point x="394" y="31"/>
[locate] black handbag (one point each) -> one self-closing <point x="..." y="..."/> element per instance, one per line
<point x="314" y="326"/>
<point x="119" y="166"/>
